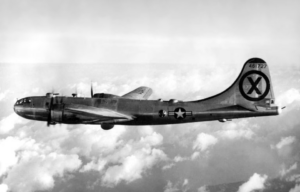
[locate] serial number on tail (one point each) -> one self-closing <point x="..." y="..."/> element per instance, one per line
<point x="257" y="65"/>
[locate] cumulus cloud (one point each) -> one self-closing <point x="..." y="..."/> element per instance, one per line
<point x="233" y="130"/>
<point x="203" y="189"/>
<point x="3" y="187"/>
<point x="288" y="97"/>
<point x="8" y="123"/>
<point x="91" y="141"/>
<point x="168" y="166"/>
<point x="179" y="158"/>
<point x="285" y="141"/>
<point x="178" y="186"/>
<point x="295" y="189"/>
<point x="256" y="182"/>
<point x="170" y="187"/>
<point x="294" y="178"/>
<point x="204" y="141"/>
<point x="126" y="160"/>
<point x="284" y="147"/>
<point x="30" y="166"/>
<point x="195" y="155"/>
<point x="44" y="153"/>
<point x="285" y="171"/>
<point x="8" y="148"/>
<point x="37" y="171"/>
<point x="132" y="166"/>
<point x="3" y="94"/>
<point x="185" y="182"/>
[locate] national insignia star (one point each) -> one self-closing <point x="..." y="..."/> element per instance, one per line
<point x="180" y="114"/>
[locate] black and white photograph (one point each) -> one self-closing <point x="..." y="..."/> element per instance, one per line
<point x="149" y="95"/>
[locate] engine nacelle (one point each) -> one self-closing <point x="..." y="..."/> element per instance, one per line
<point x="105" y="95"/>
<point x="57" y="113"/>
<point x="107" y="126"/>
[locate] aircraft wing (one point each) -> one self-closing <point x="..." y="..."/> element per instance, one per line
<point x="139" y="93"/>
<point x="100" y="114"/>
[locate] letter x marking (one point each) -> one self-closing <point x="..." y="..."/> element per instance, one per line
<point x="254" y="85"/>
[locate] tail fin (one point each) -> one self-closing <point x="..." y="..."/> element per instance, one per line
<point x="252" y="89"/>
<point x="254" y="85"/>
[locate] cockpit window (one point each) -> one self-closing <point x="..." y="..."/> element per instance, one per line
<point x="23" y="101"/>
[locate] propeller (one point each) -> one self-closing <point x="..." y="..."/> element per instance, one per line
<point x="49" y="109"/>
<point x="92" y="93"/>
<point x="76" y="92"/>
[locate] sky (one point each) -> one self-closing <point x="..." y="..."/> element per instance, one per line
<point x="185" y="50"/>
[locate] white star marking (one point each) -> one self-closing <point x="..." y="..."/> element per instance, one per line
<point x="179" y="113"/>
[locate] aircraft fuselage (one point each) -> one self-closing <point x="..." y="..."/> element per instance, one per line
<point x="145" y="112"/>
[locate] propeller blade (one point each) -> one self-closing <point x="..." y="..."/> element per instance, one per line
<point x="49" y="114"/>
<point x="92" y="94"/>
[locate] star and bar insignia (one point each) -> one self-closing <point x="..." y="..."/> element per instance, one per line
<point x="180" y="113"/>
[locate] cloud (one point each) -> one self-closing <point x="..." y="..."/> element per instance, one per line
<point x="288" y="97"/>
<point x="295" y="189"/>
<point x="179" y="158"/>
<point x="284" y="171"/>
<point x="178" y="186"/>
<point x="203" y="189"/>
<point x="170" y="187"/>
<point x="285" y="141"/>
<point x="255" y="182"/>
<point x="35" y="172"/>
<point x="124" y="160"/>
<point x="42" y="153"/>
<point x="185" y="182"/>
<point x="8" y="148"/>
<point x="284" y="147"/>
<point x="294" y="178"/>
<point x="30" y="166"/>
<point x="168" y="166"/>
<point x="3" y="187"/>
<point x="233" y="130"/>
<point x="3" y="94"/>
<point x="91" y="141"/>
<point x="195" y="155"/>
<point x="8" y="123"/>
<point x="132" y="166"/>
<point x="204" y="141"/>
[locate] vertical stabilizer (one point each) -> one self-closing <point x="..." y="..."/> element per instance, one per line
<point x="252" y="89"/>
<point x="254" y="86"/>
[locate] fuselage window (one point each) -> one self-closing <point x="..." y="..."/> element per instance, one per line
<point x="23" y="101"/>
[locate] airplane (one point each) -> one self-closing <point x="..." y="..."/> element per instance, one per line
<point x="251" y="95"/>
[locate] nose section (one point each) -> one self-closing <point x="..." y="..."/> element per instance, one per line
<point x="17" y="108"/>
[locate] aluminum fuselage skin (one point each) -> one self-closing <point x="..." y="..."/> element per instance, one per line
<point x="144" y="112"/>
